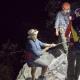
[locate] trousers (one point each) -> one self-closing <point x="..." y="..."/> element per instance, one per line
<point x="73" y="58"/>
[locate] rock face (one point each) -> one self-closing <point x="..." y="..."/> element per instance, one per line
<point x="57" y="70"/>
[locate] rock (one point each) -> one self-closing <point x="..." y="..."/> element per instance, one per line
<point x="57" y="69"/>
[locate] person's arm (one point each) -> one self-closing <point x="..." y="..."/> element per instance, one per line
<point x="57" y="24"/>
<point x="45" y="49"/>
<point x="46" y="45"/>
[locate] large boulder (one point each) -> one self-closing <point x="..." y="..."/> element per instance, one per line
<point x="57" y="70"/>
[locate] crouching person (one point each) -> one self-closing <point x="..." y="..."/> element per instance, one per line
<point x="35" y="51"/>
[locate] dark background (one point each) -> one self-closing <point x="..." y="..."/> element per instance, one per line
<point x="17" y="17"/>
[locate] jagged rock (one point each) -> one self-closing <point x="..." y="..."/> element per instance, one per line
<point x="57" y="69"/>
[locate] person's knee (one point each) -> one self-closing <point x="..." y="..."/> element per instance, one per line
<point x="33" y="69"/>
<point x="45" y="67"/>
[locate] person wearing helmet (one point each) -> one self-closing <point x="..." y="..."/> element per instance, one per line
<point x="61" y="24"/>
<point x="73" y="70"/>
<point x="34" y="47"/>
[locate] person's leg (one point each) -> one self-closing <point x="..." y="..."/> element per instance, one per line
<point x="43" y="72"/>
<point x="44" y="69"/>
<point x="63" y="39"/>
<point x="77" y="68"/>
<point x="71" y="65"/>
<point x="33" y="71"/>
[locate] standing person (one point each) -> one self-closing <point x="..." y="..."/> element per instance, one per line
<point x="61" y="24"/>
<point x="73" y="70"/>
<point x="35" y="52"/>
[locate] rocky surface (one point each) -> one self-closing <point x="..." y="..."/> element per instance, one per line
<point x="57" y="70"/>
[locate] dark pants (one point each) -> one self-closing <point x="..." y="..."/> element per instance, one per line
<point x="73" y="70"/>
